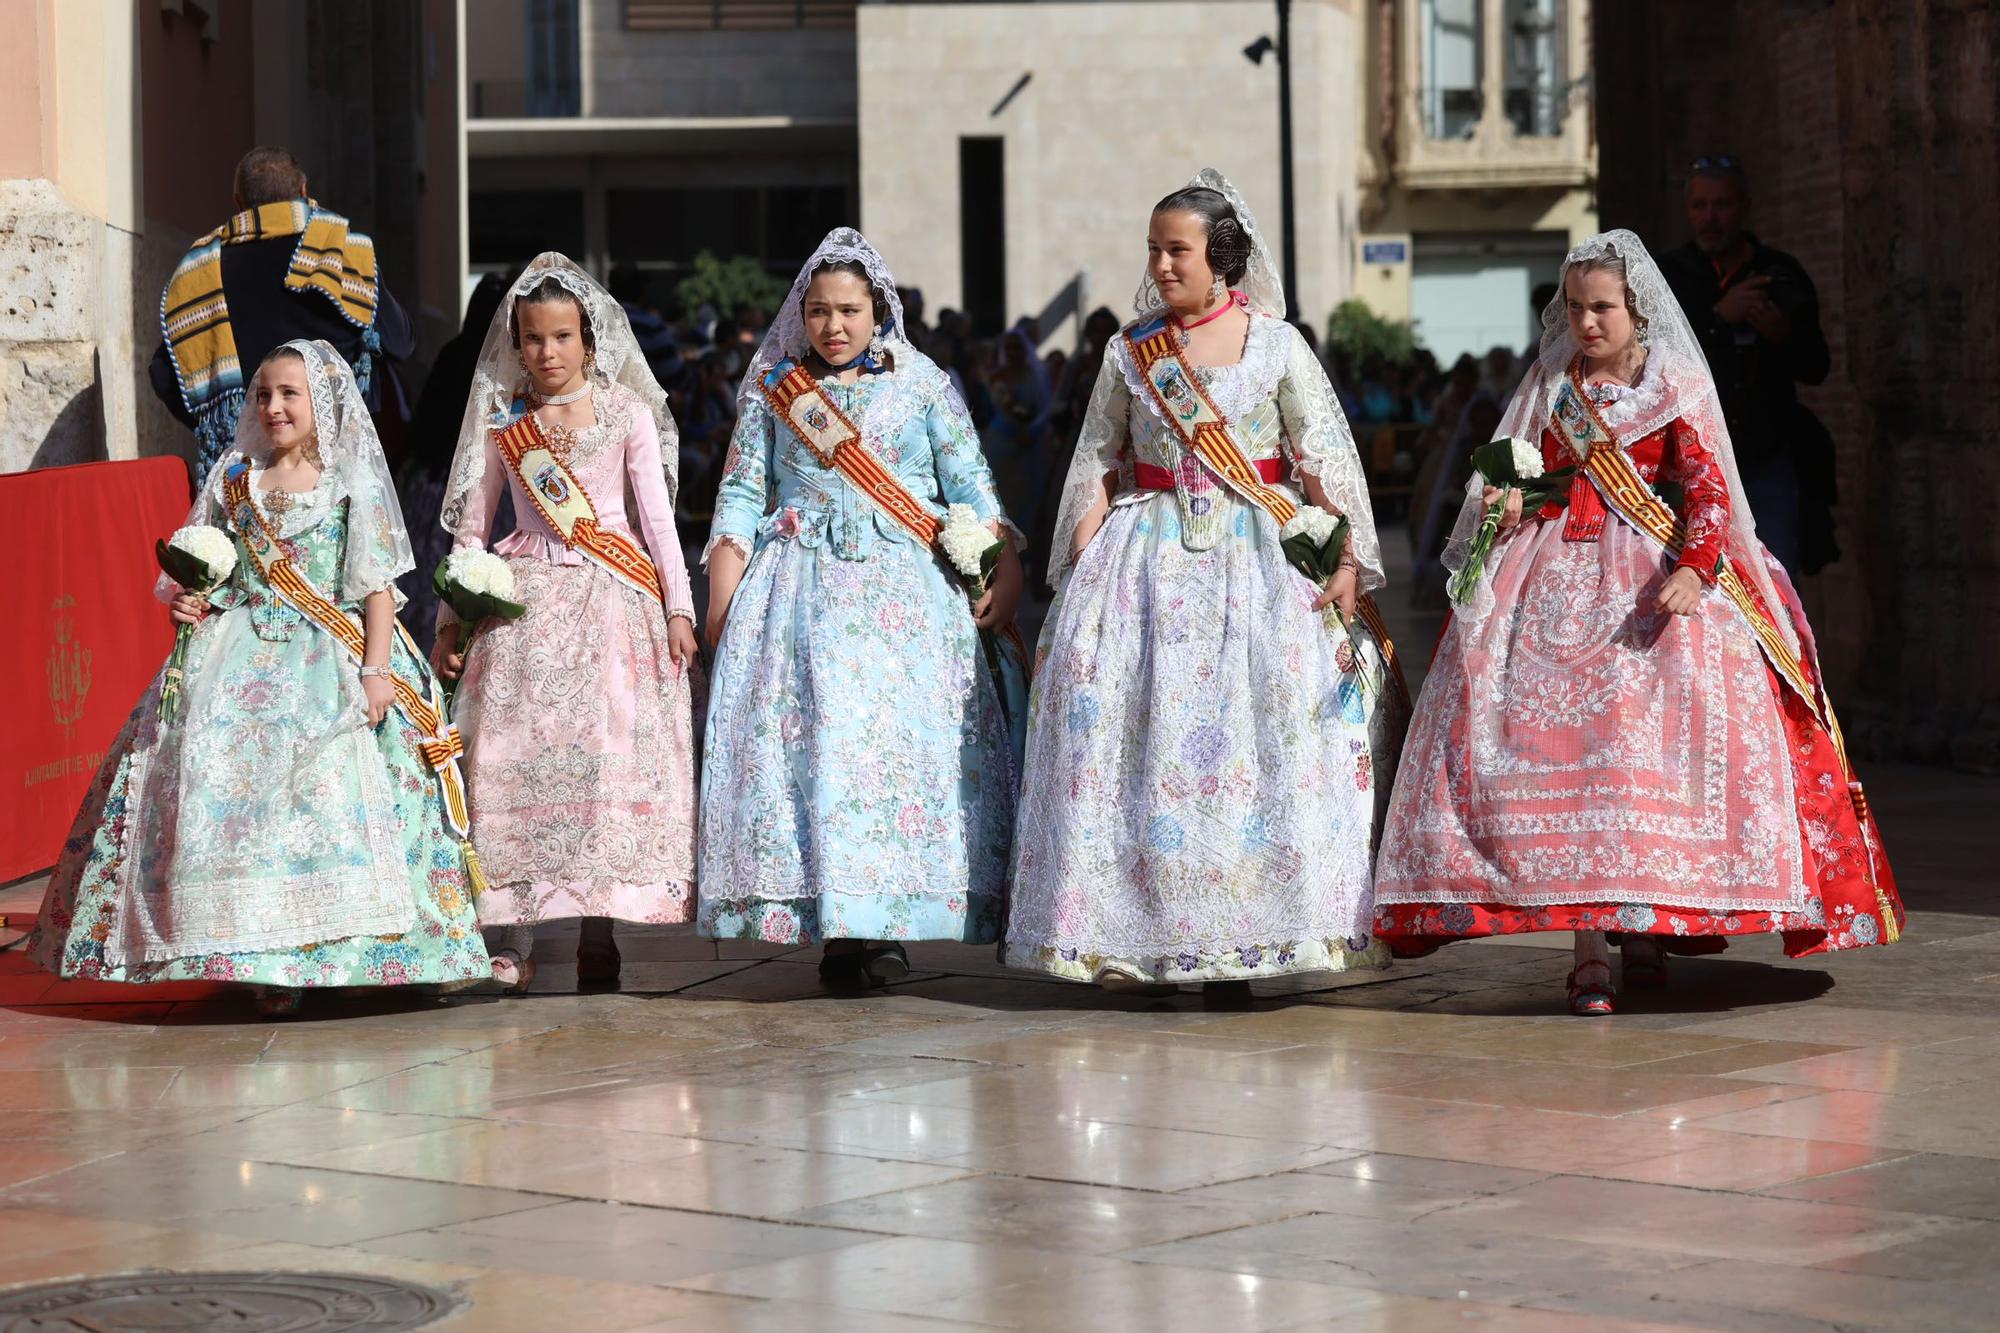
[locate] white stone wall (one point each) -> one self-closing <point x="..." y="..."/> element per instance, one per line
<point x="1126" y="102"/>
<point x="51" y="408"/>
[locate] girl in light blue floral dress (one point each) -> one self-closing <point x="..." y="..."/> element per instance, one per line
<point x="285" y="828"/>
<point x="863" y="735"/>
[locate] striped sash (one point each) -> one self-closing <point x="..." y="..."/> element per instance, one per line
<point x="440" y="743"/>
<point x="1183" y="404"/>
<point x="567" y="509"/>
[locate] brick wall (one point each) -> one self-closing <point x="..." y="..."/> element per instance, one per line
<point x="1867" y="128"/>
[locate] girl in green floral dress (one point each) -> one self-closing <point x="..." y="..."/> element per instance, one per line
<point x="284" y="827"/>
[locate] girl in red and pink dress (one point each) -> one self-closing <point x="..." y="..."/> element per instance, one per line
<point x="1624" y="733"/>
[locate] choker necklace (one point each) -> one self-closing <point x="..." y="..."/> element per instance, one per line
<point x="861" y="362"/>
<point x="562" y="399"/>
<point x="1236" y="298"/>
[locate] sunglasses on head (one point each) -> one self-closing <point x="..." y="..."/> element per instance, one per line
<point x="1723" y="162"/>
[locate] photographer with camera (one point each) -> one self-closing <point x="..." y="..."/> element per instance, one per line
<point x="1757" y="317"/>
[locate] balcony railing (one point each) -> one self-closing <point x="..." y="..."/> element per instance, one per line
<point x="746" y="15"/>
<point x="1502" y="110"/>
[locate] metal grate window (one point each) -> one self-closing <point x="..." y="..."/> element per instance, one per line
<point x="751" y="15"/>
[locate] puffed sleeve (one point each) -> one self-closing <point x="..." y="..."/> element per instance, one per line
<point x="1100" y="450"/>
<point x="476" y="527"/>
<point x="656" y="511"/>
<point x="962" y="473"/>
<point x="744" y="496"/>
<point x="1321" y="446"/>
<point x="1705" y="510"/>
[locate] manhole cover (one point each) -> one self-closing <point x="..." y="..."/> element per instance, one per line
<point x="241" y="1302"/>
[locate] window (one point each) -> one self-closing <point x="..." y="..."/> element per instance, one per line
<point x="1535" y="93"/>
<point x="555" y="81"/>
<point x="1453" y="34"/>
<point x="755" y="15"/>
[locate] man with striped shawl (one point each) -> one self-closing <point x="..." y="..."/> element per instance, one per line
<point x="282" y="268"/>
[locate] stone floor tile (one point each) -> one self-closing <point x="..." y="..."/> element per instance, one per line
<point x="904" y="1275"/>
<point x="1957" y="1119"/>
<point x="1419" y="1259"/>
<point x="1156" y="1296"/>
<point x="1144" y="1158"/>
<point x="1578" y="1089"/>
<point x="1917" y="1183"/>
<point x="1055" y="1215"/>
<point x="1697" y="1223"/>
<point x="192" y="1192"/>
<point x="744" y="1180"/>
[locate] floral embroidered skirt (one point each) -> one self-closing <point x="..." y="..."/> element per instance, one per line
<point x="1199" y="790"/>
<point x="579" y="757"/>
<point x="859" y="775"/>
<point x="267" y="835"/>
<point x="1582" y="761"/>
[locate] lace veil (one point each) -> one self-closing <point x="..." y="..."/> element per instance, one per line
<point x="1323" y="443"/>
<point x="351" y="464"/>
<point x="786" y="338"/>
<point x="1676" y="383"/>
<point x="1261" y="285"/>
<point x="499" y="378"/>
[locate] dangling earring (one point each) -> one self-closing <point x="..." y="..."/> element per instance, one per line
<point x="1645" y="334"/>
<point x="1218" y="290"/>
<point x="875" y="345"/>
<point x="311" y="450"/>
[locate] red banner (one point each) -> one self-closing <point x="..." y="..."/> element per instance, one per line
<point x="85" y="635"/>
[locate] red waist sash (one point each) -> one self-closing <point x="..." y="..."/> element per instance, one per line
<point x="1151" y="478"/>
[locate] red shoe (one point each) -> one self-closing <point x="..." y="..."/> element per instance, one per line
<point x="1591" y="999"/>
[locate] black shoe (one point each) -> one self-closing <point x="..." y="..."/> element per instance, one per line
<point x="885" y="964"/>
<point x="597" y="966"/>
<point x="1226" y="995"/>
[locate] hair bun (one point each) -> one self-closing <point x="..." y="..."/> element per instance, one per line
<point x="1228" y="248"/>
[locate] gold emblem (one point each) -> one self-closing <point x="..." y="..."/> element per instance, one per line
<point x="69" y="670"/>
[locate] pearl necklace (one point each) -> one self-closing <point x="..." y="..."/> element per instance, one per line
<point x="562" y="399"/>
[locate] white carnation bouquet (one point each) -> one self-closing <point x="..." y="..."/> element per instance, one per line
<point x="1314" y="541"/>
<point x="974" y="553"/>
<point x="201" y="559"/>
<point x="972" y="549"/>
<point x="1509" y="463"/>
<point x="478" y="586"/>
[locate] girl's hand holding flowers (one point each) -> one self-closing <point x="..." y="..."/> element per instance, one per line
<point x="1342" y="590"/>
<point x="1510" y="513"/>
<point x="996" y="609"/>
<point x="201" y="559"/>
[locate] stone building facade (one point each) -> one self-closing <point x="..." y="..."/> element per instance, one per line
<point x="1868" y="132"/>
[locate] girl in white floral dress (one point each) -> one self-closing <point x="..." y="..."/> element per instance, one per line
<point x="1201" y="775"/>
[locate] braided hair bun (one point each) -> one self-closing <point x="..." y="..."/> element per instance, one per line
<point x="1228" y="242"/>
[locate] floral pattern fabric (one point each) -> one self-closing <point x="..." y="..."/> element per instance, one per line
<point x="1200" y="785"/>
<point x="269" y="834"/>
<point x="859" y="775"/>
<point x="579" y="728"/>
<point x="1581" y="760"/>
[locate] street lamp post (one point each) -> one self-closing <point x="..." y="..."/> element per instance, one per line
<point x="1255" y="53"/>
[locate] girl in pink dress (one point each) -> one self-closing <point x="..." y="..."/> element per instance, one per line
<point x="577" y="716"/>
<point x="1624" y="733"/>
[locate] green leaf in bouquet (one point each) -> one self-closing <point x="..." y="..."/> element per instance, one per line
<point x="180" y="566"/>
<point x="1494" y="460"/>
